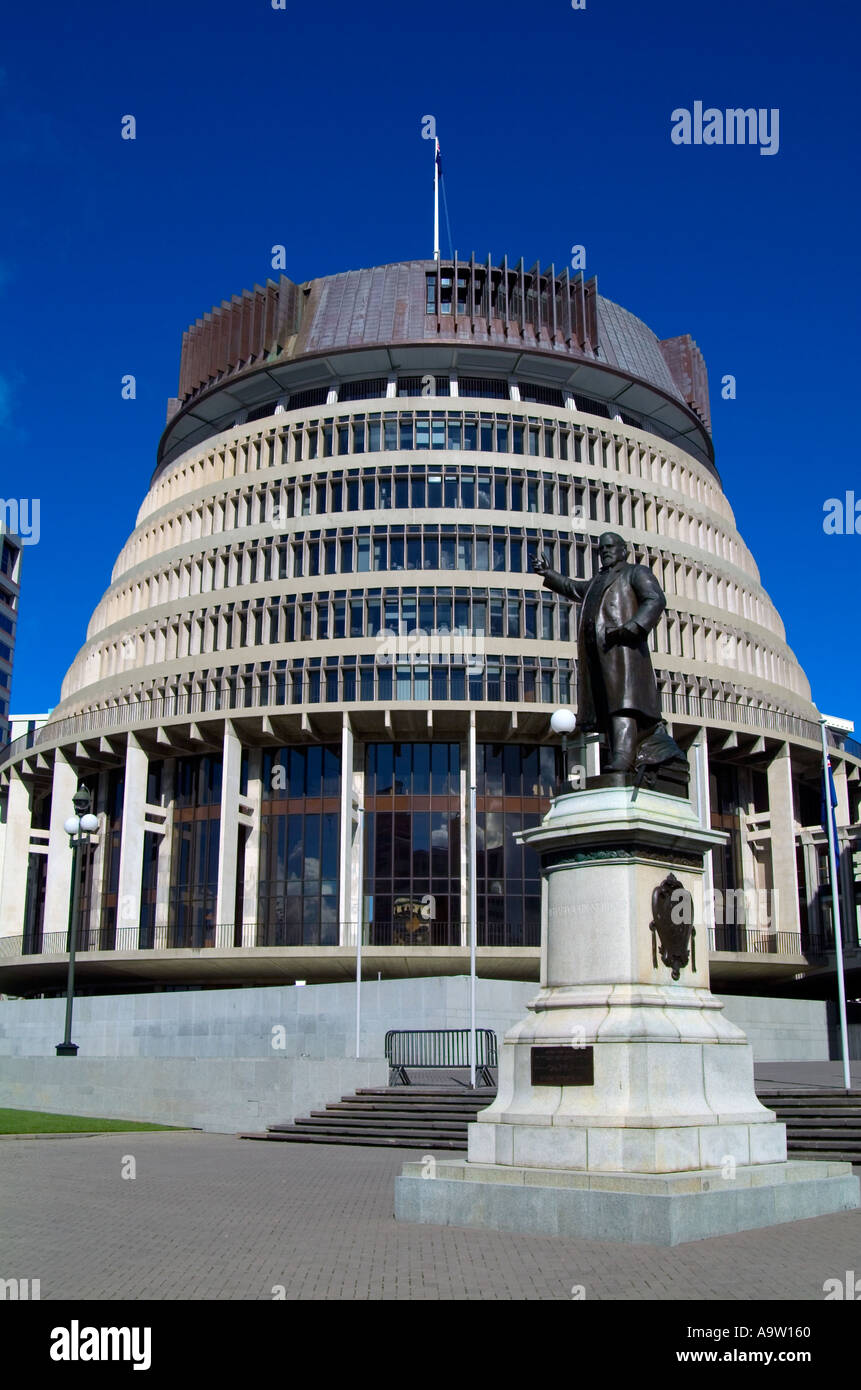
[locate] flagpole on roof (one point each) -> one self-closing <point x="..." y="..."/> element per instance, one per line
<point x="835" y="903"/>
<point x="436" y="199"/>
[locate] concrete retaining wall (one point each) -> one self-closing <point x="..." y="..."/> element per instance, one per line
<point x="781" y="1030"/>
<point x="318" y="1020"/>
<point x="244" y="1058"/>
<point x="224" y="1094"/>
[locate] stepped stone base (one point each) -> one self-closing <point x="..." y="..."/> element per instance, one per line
<point x="644" y="1208"/>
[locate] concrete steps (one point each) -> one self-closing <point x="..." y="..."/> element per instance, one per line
<point x="409" y="1117"/>
<point x="819" y="1124"/>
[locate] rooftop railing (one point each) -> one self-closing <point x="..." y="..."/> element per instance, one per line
<point x="430" y="685"/>
<point x="226" y="936"/>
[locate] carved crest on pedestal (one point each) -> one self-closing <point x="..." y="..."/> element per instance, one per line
<point x="673" y="925"/>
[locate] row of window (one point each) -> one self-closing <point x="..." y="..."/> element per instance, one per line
<point x="497" y="489"/>
<point x="406" y="430"/>
<point x="370" y="551"/>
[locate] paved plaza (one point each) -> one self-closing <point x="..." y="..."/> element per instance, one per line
<point x="208" y="1216"/>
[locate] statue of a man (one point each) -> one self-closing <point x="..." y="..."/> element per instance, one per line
<point x="616" y="688"/>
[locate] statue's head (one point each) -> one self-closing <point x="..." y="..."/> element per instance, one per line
<point x="612" y="549"/>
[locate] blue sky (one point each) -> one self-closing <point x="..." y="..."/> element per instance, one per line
<point x="258" y="127"/>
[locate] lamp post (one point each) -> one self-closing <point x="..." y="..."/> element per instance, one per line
<point x="79" y="828"/>
<point x="563" y="722"/>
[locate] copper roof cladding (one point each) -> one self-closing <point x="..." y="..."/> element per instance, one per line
<point x="505" y="306"/>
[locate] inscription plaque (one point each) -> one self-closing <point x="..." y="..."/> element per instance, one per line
<point x="563" y="1066"/>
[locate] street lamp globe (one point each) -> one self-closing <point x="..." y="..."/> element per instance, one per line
<point x="89" y="824"/>
<point x="72" y="826"/>
<point x="563" y="721"/>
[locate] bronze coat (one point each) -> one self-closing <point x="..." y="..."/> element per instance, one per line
<point x="621" y="678"/>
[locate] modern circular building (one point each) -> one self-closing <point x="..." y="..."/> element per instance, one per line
<point x="318" y="688"/>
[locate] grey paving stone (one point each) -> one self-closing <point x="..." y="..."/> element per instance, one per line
<point x="211" y="1217"/>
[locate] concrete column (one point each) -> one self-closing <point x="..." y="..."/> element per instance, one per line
<point x="98" y="862"/>
<point x="346" y="919"/>
<point x="229" y="827"/>
<point x="16" y="858"/>
<point x="165" y="856"/>
<point x="784" y="875"/>
<point x="132" y="841"/>
<point x="251" y="881"/>
<point x="746" y="855"/>
<point x="811" y="888"/>
<point x="701" y="799"/>
<point x="846" y="875"/>
<point x="841" y="788"/>
<point x="59" y="883"/>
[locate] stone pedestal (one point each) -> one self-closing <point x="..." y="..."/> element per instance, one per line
<point x="625" y="1077"/>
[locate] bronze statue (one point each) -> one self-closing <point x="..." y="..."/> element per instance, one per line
<point x="617" y="693"/>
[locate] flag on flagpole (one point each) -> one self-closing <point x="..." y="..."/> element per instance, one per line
<point x="438" y="161"/>
<point x="829" y="801"/>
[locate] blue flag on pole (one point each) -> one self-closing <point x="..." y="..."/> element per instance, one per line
<point x="829" y="798"/>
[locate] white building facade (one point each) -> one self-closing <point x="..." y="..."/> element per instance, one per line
<point x="326" y="617"/>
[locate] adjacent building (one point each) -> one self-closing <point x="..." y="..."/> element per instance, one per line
<point x="318" y="687"/>
<point x="10" y="579"/>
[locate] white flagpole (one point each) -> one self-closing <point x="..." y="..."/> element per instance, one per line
<point x="473" y="898"/>
<point x="436" y="199"/>
<point x="835" y="910"/>
<point x="360" y="833"/>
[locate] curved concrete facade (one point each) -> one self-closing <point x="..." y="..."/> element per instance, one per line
<point x="334" y="554"/>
